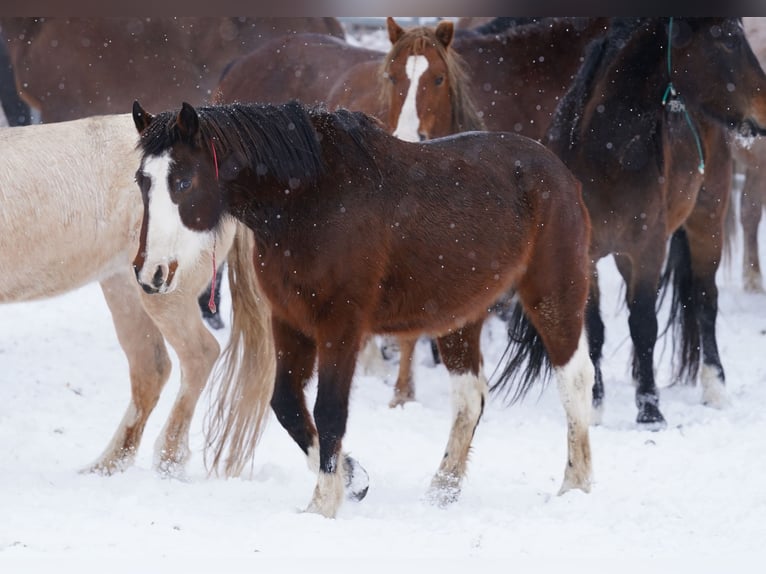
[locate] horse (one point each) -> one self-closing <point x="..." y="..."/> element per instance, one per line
<point x="751" y="154"/>
<point x="71" y="216"/>
<point x="441" y="230"/>
<point x="69" y="68"/>
<point x="317" y="69"/>
<point x="641" y="125"/>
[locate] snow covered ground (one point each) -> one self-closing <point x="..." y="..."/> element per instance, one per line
<point x="688" y="498"/>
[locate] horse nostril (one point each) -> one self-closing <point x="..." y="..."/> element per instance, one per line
<point x="158" y="278"/>
<point x="423" y="137"/>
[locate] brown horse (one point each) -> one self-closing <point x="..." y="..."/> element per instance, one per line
<point x="440" y="230"/>
<point x="316" y="69"/>
<point x="642" y="163"/>
<point x="70" y="68"/>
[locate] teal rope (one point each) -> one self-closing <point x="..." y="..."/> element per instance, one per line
<point x="670" y="91"/>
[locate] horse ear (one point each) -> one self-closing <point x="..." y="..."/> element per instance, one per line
<point x="141" y="117"/>
<point x="395" y="31"/>
<point x="187" y="122"/>
<point x="444" y="32"/>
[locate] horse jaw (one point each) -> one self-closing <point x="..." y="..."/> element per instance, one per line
<point x="168" y="247"/>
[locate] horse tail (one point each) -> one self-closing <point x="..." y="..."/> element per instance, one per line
<point x="525" y="358"/>
<point x="245" y="370"/>
<point x="682" y="318"/>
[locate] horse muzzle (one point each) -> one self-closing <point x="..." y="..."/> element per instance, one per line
<point x="158" y="278"/>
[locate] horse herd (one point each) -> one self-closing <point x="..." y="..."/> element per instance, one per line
<point x="468" y="166"/>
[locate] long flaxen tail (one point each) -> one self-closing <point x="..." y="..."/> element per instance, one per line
<point x="244" y="372"/>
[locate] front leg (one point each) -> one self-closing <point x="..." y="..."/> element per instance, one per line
<point x="337" y="359"/>
<point x="295" y="364"/>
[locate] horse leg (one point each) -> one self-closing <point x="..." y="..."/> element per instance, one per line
<point x="595" y="330"/>
<point x="549" y="302"/>
<point x="704" y="232"/>
<point x="461" y="353"/>
<point x="178" y="318"/>
<point x="404" y="390"/>
<point x="149" y="367"/>
<point x="337" y="354"/>
<point x="641" y="297"/>
<point x="750" y="207"/>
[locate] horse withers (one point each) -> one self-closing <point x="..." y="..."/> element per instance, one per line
<point x="441" y="230"/>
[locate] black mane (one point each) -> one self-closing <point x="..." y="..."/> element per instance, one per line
<point x="276" y="139"/>
<point x="599" y="54"/>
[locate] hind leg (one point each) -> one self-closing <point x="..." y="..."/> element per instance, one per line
<point x="404" y="391"/>
<point x="461" y="353"/>
<point x="750" y="208"/>
<point x="705" y="232"/>
<point x="149" y="367"/>
<point x="555" y="305"/>
<point x="641" y="298"/>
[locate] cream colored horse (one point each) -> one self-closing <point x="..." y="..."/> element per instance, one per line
<point x="71" y="213"/>
<point x="752" y="155"/>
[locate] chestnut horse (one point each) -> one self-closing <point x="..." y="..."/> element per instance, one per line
<point x="70" y="215"/>
<point x="643" y="120"/>
<point x="441" y="230"/>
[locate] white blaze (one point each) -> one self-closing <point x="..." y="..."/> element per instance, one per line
<point x="408" y="122"/>
<point x="167" y="238"/>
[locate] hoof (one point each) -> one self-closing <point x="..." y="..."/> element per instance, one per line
<point x="400" y="399"/>
<point x="444" y="490"/>
<point x="107" y="466"/>
<point x="597" y="414"/>
<point x="649" y="415"/>
<point x="357" y="481"/>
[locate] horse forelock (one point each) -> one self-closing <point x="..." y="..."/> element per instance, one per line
<point x="279" y="140"/>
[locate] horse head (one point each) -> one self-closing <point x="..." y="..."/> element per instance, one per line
<point x="177" y="178"/>
<point x="424" y="84"/>
<point x="712" y="65"/>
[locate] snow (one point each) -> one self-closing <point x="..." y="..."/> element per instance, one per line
<point x="690" y="497"/>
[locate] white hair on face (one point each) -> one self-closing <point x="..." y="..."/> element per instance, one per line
<point x="408" y="123"/>
<point x="167" y="238"/>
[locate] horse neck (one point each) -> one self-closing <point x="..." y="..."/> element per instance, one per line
<point x="628" y="83"/>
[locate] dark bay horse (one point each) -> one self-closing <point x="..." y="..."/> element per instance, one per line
<point x="644" y="118"/>
<point x="440" y="230"/>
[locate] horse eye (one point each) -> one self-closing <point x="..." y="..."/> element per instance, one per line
<point x="183" y="184"/>
<point x="439" y="80"/>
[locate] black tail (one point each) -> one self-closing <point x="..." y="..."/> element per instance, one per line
<point x="525" y="358"/>
<point x="682" y="319"/>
